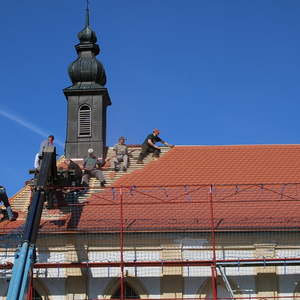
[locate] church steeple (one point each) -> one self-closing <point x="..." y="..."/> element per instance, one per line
<point x="87" y="98"/>
<point x="86" y="68"/>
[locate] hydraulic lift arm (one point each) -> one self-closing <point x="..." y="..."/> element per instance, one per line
<point x="25" y="254"/>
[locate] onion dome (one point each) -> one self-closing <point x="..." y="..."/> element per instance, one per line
<point x="87" y="35"/>
<point x="86" y="68"/>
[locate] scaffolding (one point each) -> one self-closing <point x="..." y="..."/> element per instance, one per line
<point x="238" y="241"/>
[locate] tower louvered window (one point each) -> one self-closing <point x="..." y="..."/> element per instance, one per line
<point x="85" y="121"/>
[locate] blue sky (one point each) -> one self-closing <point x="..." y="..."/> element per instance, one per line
<point x="204" y="72"/>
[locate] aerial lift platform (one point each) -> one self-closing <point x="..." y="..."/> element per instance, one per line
<point x="46" y="179"/>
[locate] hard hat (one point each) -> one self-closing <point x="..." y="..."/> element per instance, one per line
<point x="90" y="150"/>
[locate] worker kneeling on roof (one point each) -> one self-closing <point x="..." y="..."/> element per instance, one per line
<point x="4" y="199"/>
<point x="91" y="168"/>
<point x="149" y="145"/>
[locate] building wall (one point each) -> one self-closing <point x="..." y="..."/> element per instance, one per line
<point x="162" y="282"/>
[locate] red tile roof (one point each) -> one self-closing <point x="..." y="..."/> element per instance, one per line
<point x="188" y="206"/>
<point x="187" y="165"/>
<point x="252" y="191"/>
<point x="245" y="207"/>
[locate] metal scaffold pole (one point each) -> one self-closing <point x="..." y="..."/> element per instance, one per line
<point x="121" y="245"/>
<point x="227" y="284"/>
<point x="213" y="241"/>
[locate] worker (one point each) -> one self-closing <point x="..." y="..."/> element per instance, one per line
<point x="76" y="177"/>
<point x="91" y="168"/>
<point x="121" y="155"/>
<point x="37" y="162"/>
<point x="46" y="143"/>
<point x="8" y="211"/>
<point x="38" y="157"/>
<point x="149" y="146"/>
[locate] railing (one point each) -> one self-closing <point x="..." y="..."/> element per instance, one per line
<point x="191" y="242"/>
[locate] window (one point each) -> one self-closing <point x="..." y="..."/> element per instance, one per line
<point x="129" y="293"/>
<point x="36" y="295"/>
<point x="85" y="121"/>
<point x="222" y="293"/>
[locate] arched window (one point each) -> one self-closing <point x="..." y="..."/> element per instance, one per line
<point x="129" y="292"/>
<point x="222" y="293"/>
<point x="205" y="291"/>
<point x="84" y="121"/>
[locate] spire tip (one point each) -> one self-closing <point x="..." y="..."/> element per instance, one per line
<point x="87" y="20"/>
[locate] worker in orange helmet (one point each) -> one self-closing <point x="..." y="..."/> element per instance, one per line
<point x="149" y="146"/>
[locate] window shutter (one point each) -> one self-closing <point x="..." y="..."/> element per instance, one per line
<point x="85" y="121"/>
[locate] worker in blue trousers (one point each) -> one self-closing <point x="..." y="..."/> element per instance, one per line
<point x="7" y="212"/>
